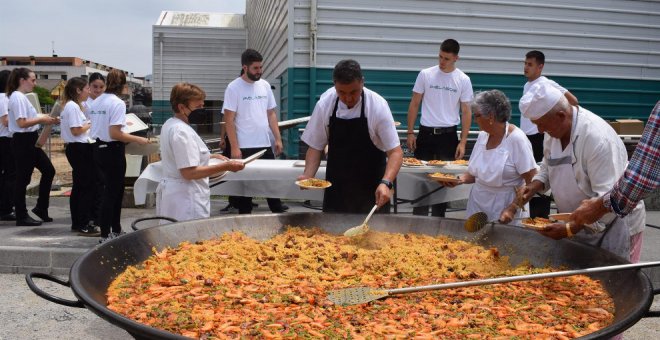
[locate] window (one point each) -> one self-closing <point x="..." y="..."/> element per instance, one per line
<point x="64" y="77"/>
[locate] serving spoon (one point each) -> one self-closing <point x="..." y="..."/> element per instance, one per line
<point x="360" y="295"/>
<point x="362" y="228"/>
<point x="479" y="220"/>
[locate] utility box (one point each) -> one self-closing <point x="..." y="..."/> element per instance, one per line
<point x="628" y="126"/>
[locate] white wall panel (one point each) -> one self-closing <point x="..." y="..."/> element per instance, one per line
<point x="209" y="57"/>
<point x="267" y="23"/>
<point x="589" y="38"/>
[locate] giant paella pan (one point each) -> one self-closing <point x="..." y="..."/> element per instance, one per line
<point x="93" y="273"/>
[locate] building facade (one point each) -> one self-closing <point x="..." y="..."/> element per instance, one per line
<point x="606" y="52"/>
<point x="200" y="48"/>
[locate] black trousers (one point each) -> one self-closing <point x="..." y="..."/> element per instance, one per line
<point x="28" y="158"/>
<point x="83" y="190"/>
<point x="110" y="160"/>
<point x="435" y="146"/>
<point x="244" y="204"/>
<point x="7" y="176"/>
<point x="539" y="206"/>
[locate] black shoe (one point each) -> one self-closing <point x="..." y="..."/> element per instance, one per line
<point x="282" y="209"/>
<point x="89" y="231"/>
<point x="27" y="222"/>
<point x="8" y="217"/>
<point x="42" y="214"/>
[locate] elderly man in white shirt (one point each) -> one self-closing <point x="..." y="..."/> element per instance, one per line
<point x="582" y="158"/>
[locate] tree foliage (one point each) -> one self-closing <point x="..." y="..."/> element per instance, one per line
<point x="44" y="96"/>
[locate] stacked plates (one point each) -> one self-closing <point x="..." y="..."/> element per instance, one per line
<point x="216" y="177"/>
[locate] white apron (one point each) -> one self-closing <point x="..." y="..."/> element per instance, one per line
<point x="568" y="196"/>
<point x="183" y="199"/>
<point x="488" y="194"/>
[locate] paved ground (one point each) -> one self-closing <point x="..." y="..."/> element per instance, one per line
<point x="53" y="248"/>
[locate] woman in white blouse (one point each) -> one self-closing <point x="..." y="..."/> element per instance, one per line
<point x="108" y="117"/>
<point x="24" y="124"/>
<point x="501" y="160"/>
<point x="79" y="152"/>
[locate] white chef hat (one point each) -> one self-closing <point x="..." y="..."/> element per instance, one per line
<point x="538" y="100"/>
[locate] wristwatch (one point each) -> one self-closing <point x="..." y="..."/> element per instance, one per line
<point x="389" y="184"/>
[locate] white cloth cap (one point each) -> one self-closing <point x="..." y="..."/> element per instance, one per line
<point x="540" y="99"/>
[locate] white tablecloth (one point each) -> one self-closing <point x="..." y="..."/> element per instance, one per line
<point x="275" y="178"/>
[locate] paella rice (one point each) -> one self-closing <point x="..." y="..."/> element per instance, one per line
<point x="235" y="286"/>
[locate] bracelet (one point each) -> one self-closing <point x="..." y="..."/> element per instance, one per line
<point x="569" y="233"/>
<point x="411" y="133"/>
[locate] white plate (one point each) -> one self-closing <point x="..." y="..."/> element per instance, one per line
<point x="455" y="167"/>
<point x="218" y="175"/>
<point x="300" y="184"/>
<point x="564" y="217"/>
<point x="134" y="124"/>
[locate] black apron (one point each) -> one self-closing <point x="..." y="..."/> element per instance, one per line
<point x="355" y="165"/>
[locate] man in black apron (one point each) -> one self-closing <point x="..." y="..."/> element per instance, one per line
<point x="360" y="171"/>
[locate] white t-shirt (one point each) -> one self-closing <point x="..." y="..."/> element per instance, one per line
<point x="379" y="119"/>
<point x="525" y="124"/>
<point x="250" y="101"/>
<point x="443" y="95"/>
<point x="519" y="161"/>
<point x="107" y="110"/>
<point x="180" y="148"/>
<point x="72" y="116"/>
<point x="4" y="130"/>
<point x="20" y="107"/>
<point x="87" y="105"/>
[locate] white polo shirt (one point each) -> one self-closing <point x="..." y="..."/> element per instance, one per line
<point x="379" y="119"/>
<point x="250" y="101"/>
<point x="106" y="110"/>
<point x="72" y="116"/>
<point x="525" y="124"/>
<point x="20" y="107"/>
<point x="443" y="95"/>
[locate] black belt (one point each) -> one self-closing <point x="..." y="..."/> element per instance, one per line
<point x="437" y="130"/>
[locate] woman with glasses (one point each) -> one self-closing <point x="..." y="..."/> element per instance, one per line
<point x="24" y="124"/>
<point x="108" y="117"/>
<point x="183" y="193"/>
<point x="501" y="160"/>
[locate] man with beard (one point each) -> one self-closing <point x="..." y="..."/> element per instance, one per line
<point x="250" y="117"/>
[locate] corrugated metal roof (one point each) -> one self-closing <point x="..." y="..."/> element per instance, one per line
<point x="193" y="19"/>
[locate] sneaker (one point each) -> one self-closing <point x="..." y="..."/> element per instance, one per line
<point x="114" y="235"/>
<point x="111" y="236"/>
<point x="89" y="230"/>
<point x="8" y="217"/>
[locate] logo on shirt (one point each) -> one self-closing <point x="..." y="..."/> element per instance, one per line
<point x="101" y="112"/>
<point x="254" y="98"/>
<point x="444" y="87"/>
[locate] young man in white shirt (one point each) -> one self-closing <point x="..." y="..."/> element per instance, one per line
<point x="250" y="117"/>
<point x="539" y="206"/>
<point x="445" y="93"/>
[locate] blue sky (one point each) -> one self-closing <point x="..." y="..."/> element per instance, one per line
<point x="116" y="33"/>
